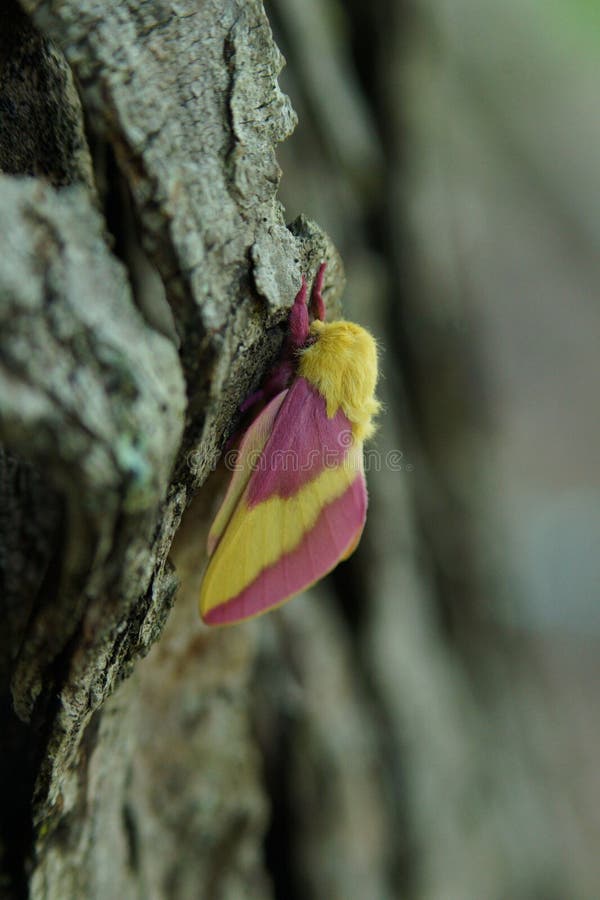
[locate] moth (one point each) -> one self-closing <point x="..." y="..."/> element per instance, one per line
<point x="297" y="501"/>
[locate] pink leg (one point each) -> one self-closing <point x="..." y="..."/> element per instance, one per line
<point x="316" y="300"/>
<point x="298" y="330"/>
<point x="277" y="380"/>
<point x="252" y="399"/>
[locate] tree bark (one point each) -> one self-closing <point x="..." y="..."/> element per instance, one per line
<point x="145" y="281"/>
<point x="414" y="727"/>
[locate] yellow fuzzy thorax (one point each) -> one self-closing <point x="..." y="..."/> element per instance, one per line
<point x="342" y="365"/>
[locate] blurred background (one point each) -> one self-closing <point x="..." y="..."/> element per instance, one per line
<point x="443" y="742"/>
<point x="424" y="724"/>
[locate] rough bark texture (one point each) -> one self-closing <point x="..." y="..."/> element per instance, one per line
<point x="141" y="298"/>
<point x="418" y="727"/>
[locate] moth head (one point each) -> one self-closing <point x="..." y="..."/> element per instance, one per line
<point x="340" y="360"/>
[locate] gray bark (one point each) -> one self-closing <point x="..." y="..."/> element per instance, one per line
<point x="420" y="726"/>
<point x="145" y="280"/>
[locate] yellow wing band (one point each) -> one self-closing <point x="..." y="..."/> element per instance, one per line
<point x="257" y="537"/>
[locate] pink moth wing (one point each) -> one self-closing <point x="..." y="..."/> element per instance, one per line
<point x="248" y="453"/>
<point x="300" y="481"/>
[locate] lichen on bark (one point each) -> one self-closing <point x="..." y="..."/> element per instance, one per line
<point x="144" y="289"/>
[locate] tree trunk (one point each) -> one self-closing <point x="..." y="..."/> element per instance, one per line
<point x="417" y="726"/>
<point x="145" y="280"/>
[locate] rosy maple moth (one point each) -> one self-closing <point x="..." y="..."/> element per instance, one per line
<point x="297" y="501"/>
